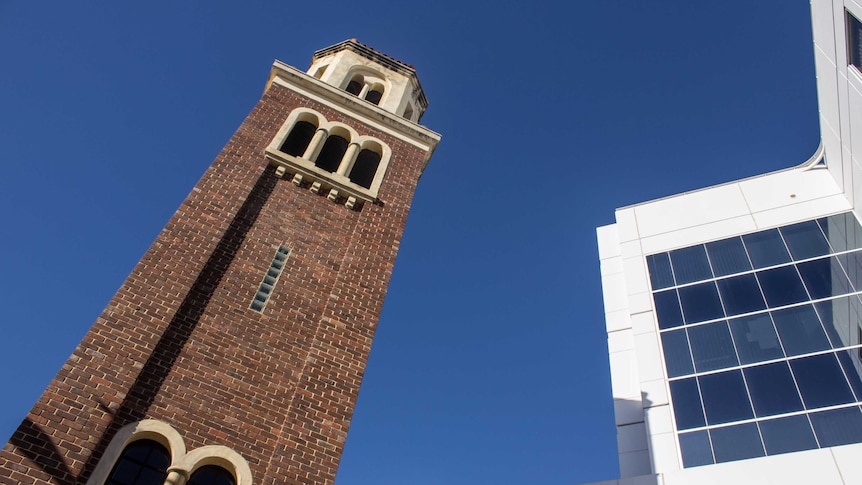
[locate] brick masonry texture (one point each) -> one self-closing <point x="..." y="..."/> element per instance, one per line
<point x="179" y="343"/>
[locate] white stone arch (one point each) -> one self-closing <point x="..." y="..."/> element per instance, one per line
<point x="370" y="143"/>
<point x="295" y="116"/>
<point x="148" y="429"/>
<point x="370" y="78"/>
<point x="217" y="455"/>
<point x="340" y="129"/>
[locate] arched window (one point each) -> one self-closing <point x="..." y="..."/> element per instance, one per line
<point x="374" y="95"/>
<point x="354" y="87"/>
<point x="211" y="475"/>
<point x="143" y="462"/>
<point x="365" y="168"/>
<point x="408" y="112"/>
<point x="299" y="138"/>
<point x="331" y="153"/>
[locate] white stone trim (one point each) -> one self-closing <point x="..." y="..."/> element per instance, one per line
<point x="362" y="111"/>
<point x="337" y="182"/>
<point x="182" y="464"/>
<point x="148" y="429"/>
<point x="218" y="455"/>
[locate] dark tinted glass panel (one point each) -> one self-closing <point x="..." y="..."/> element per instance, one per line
<point x="854" y="41"/>
<point x="142" y="462"/>
<point x="850" y="362"/>
<point x="700" y="302"/>
<point x="696" y="450"/>
<point x="724" y="397"/>
<point x="805" y="240"/>
<point x="667" y="309"/>
<point x="741" y="294"/>
<point x="686" y="404"/>
<point x="690" y="265"/>
<point x="736" y="442"/>
<point x="676" y="355"/>
<point x="824" y="278"/>
<point x="331" y="154"/>
<point x="785" y="435"/>
<point x="150" y="477"/>
<point x="852" y="263"/>
<point x="821" y="381"/>
<point x="843" y="231"/>
<point x="782" y="286"/>
<point x="728" y="256"/>
<point x="364" y="168"/>
<point x="712" y="347"/>
<point x="838" y="426"/>
<point x="800" y="330"/>
<point x="125" y="473"/>
<point x="772" y="389"/>
<point x="766" y="248"/>
<point x="211" y="475"/>
<point x="660" y="274"/>
<point x="298" y="139"/>
<point x="841" y="319"/>
<point x="755" y="339"/>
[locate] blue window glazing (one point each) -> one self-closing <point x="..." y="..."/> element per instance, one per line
<point x="738" y="442"/>
<point x="728" y="256"/>
<point x="805" y="240"/>
<point x="786" y="435"/>
<point x="741" y="294"/>
<point x="700" y="302"/>
<point x="690" y="265"/>
<point x="762" y="340"/>
<point x="660" y="274"/>
<point x="755" y="339"/>
<point x="712" y="347"/>
<point x="766" y="248"/>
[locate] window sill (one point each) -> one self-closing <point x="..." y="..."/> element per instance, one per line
<point x="337" y="188"/>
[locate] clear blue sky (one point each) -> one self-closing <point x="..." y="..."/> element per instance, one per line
<point x="490" y="362"/>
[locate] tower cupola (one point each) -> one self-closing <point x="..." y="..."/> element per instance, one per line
<point x="372" y="76"/>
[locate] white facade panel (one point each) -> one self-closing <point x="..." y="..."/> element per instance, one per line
<point x="631" y="438"/>
<point x="690" y="210"/>
<point x="788" y="187"/>
<point x="609" y="241"/>
<point x="614" y="292"/>
<point x="654" y="393"/>
<point x="644" y="323"/>
<point x="627" y="225"/>
<point x="649" y="358"/>
<point x="801" y="212"/>
<point x="620" y="341"/>
<point x="617" y="320"/>
<point x="698" y="234"/>
<point x="849" y="461"/>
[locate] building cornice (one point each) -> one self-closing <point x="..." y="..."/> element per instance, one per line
<point x="363" y="111"/>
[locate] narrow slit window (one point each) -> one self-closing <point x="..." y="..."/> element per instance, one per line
<point x="354" y="87"/>
<point x="269" y="279"/>
<point x="374" y="96"/>
<point x="854" y="41"/>
<point x="365" y="168"/>
<point x="299" y="138"/>
<point x="331" y="154"/>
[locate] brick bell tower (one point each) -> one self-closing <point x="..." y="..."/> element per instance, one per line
<point x="234" y="351"/>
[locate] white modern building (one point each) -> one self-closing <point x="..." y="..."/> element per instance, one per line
<point x="733" y="312"/>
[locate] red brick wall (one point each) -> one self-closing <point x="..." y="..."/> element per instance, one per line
<point x="178" y="343"/>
